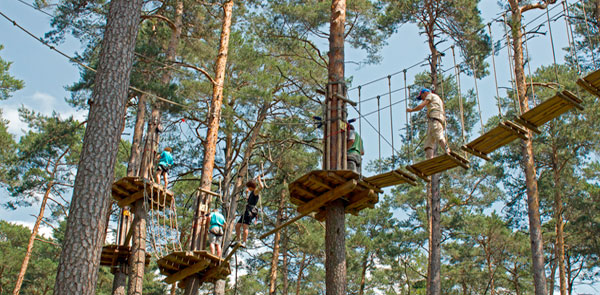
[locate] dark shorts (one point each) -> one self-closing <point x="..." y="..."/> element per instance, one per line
<point x="247" y="217"/>
<point x="163" y="168"/>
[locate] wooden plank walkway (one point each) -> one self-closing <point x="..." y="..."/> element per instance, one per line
<point x="113" y="255"/>
<point x="438" y="164"/>
<point x="313" y="191"/>
<point x="177" y="266"/>
<point x="128" y="190"/>
<point x="394" y="177"/>
<point x="551" y="108"/>
<point x="591" y="83"/>
<point x="494" y="139"/>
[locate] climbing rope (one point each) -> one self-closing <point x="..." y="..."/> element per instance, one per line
<point x="391" y="119"/>
<point x="570" y="38"/>
<point x="495" y="75"/>
<point x="552" y="44"/>
<point x="529" y="70"/>
<point x="477" y="96"/>
<point x="408" y="125"/>
<point x="512" y="70"/>
<point x="460" y="102"/>
<point x="587" y="25"/>
<point x="359" y="111"/>
<point x="379" y="128"/>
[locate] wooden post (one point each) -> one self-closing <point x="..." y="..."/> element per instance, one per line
<point x="335" y="243"/>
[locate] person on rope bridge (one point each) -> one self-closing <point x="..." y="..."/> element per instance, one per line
<point x="436" y="120"/>
<point x="355" y="150"/>
<point x="253" y="188"/>
<point x="165" y="161"/>
<point x="216" y="225"/>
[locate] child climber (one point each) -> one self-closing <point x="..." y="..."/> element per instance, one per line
<point x="253" y="188"/>
<point x="165" y="161"/>
<point x="216" y="225"/>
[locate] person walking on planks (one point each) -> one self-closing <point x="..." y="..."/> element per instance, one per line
<point x="216" y="224"/>
<point x="253" y="188"/>
<point x="436" y="120"/>
<point x="355" y="150"/>
<point x="165" y="161"/>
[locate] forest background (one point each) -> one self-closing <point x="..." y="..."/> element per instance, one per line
<point x="45" y="75"/>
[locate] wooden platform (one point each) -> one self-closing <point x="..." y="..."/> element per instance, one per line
<point x="591" y="83"/>
<point x="391" y="178"/>
<point x="494" y="139"/>
<point x="551" y="108"/>
<point x="313" y="191"/>
<point x="179" y="265"/>
<point x="438" y="164"/>
<point x="127" y="190"/>
<point x="113" y="255"/>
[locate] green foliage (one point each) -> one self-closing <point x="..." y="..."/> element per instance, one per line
<point x="39" y="278"/>
<point x="8" y="83"/>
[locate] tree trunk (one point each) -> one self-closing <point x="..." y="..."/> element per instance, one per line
<point x="232" y="201"/>
<point x="533" y="210"/>
<point x="80" y="257"/>
<point x="558" y="210"/>
<point x="284" y="263"/>
<point x="434" y="275"/>
<point x="137" y="259"/>
<point x="211" y="139"/>
<point x="138" y="134"/>
<point x="138" y="255"/>
<point x="335" y="234"/>
<point x="363" y="273"/>
<point x="300" y="271"/>
<point x="275" y="258"/>
<point x="120" y="281"/>
<point x="34" y="232"/>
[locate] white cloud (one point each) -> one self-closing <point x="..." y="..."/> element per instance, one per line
<point x="44" y="231"/>
<point x="40" y="102"/>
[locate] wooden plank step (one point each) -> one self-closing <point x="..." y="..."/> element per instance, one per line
<point x="390" y="178"/>
<point x="551" y="108"/>
<point x="494" y="139"/>
<point x="438" y="164"/>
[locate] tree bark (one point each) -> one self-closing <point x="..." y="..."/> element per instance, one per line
<point x="276" y="239"/>
<point x="533" y="211"/>
<point x="300" y="271"/>
<point x="211" y="139"/>
<point x="435" y="258"/>
<point x="138" y="250"/>
<point x="558" y="210"/>
<point x="284" y="263"/>
<point x="80" y="257"/>
<point x="363" y="273"/>
<point x="138" y="133"/>
<point x="137" y="259"/>
<point x="34" y="232"/>
<point x="335" y="228"/>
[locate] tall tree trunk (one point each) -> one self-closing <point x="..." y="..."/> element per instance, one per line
<point x="121" y="272"/>
<point x="138" y="248"/>
<point x="300" y="273"/>
<point x="232" y="201"/>
<point x="284" y="263"/>
<point x="77" y="271"/>
<point x="34" y="232"/>
<point x="138" y="133"/>
<point x="533" y="211"/>
<point x="335" y="227"/>
<point x="363" y="273"/>
<point x="558" y="210"/>
<point x="211" y="139"/>
<point x="276" y="239"/>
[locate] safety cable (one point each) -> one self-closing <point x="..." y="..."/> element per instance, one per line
<point x="477" y="96"/>
<point x="529" y="71"/>
<point x="391" y="118"/>
<point x="587" y="24"/>
<point x="460" y="102"/>
<point x="552" y="43"/>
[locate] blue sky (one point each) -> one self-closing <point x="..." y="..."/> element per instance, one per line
<point x="46" y="73"/>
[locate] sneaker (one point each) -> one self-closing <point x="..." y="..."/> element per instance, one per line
<point x="243" y="245"/>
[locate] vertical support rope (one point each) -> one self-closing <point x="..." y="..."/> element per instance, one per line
<point x="477" y="96"/>
<point x="391" y="121"/>
<point x="587" y="25"/>
<point x="495" y="75"/>
<point x="529" y="70"/>
<point x="408" y="125"/>
<point x="552" y="43"/>
<point x="570" y="38"/>
<point x="359" y="112"/>
<point x="460" y="102"/>
<point x="512" y="69"/>
<point x="379" y="128"/>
